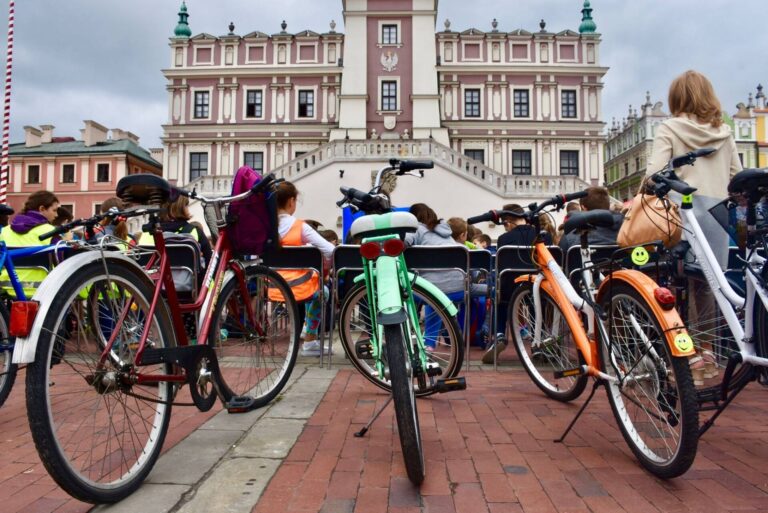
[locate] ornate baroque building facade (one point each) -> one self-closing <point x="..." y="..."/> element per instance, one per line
<point x="506" y="116"/>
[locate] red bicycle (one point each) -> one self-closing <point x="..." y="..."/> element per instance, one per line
<point x="108" y="350"/>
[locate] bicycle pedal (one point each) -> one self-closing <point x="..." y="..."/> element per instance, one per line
<point x="450" y="385"/>
<point x="578" y="371"/>
<point x="240" y="404"/>
<point x="434" y="369"/>
<point x="363" y="349"/>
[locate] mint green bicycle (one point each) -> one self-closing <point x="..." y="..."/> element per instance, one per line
<point x="398" y="329"/>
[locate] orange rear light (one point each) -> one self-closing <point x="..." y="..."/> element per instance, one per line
<point x="393" y="247"/>
<point x="22" y="317"/>
<point x="664" y="297"/>
<point x="370" y="250"/>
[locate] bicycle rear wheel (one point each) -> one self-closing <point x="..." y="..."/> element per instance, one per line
<point x="404" y="398"/>
<point x="97" y="431"/>
<point x="654" y="401"/>
<point x="255" y="359"/>
<point x="444" y="335"/>
<point x="556" y="351"/>
<point x="7" y="369"/>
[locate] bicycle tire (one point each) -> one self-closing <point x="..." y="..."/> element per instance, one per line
<point x="665" y="382"/>
<point x="557" y="352"/>
<point x="8" y="369"/>
<point x="73" y="409"/>
<point x="404" y="399"/>
<point x="708" y="324"/>
<point x="355" y="325"/>
<point x="255" y="365"/>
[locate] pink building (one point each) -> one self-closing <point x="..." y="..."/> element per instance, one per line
<point x="82" y="173"/>
<point x="505" y="115"/>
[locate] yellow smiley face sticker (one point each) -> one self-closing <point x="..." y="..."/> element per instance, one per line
<point x="683" y="342"/>
<point x="640" y="256"/>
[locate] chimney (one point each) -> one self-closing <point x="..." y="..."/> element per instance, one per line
<point x="32" y="136"/>
<point x="132" y="137"/>
<point x="94" y="133"/>
<point x="157" y="154"/>
<point x="118" y="134"/>
<point x="47" y="133"/>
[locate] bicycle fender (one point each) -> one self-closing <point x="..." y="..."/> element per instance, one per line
<point x="429" y="287"/>
<point x="525" y="278"/>
<point x="25" y="348"/>
<point x="677" y="336"/>
<point x="389" y="300"/>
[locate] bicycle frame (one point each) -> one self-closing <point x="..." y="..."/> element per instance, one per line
<point x="727" y="299"/>
<point x="6" y="261"/>
<point x="571" y="304"/>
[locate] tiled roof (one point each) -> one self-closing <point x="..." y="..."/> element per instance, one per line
<point x="79" y="148"/>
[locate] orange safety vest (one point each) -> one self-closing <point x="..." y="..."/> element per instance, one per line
<point x="303" y="282"/>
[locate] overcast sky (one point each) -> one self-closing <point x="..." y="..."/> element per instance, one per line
<point x="101" y="59"/>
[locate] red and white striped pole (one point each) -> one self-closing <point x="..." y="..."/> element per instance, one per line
<point x="7" y="108"/>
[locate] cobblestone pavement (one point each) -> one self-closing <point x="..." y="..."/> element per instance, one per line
<point x="487" y="449"/>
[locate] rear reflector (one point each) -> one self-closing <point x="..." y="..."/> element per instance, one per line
<point x="370" y="250"/>
<point x="664" y="297"/>
<point x="22" y="317"/>
<point x="393" y="247"/>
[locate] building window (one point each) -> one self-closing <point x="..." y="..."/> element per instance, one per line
<point x="68" y="173"/>
<point x="389" y="34"/>
<point x="569" y="162"/>
<point x="298" y="154"/>
<point x="521" y="162"/>
<point x="637" y="163"/>
<point x="69" y="208"/>
<point x="102" y="172"/>
<point x="254" y="160"/>
<point x="626" y="168"/>
<point x="741" y="159"/>
<point x="306" y="104"/>
<point x="202" y="99"/>
<point x="478" y="155"/>
<point x="253" y="106"/>
<point x="389" y="95"/>
<point x="33" y="174"/>
<point x="472" y="103"/>
<point x="97" y="209"/>
<point x="568" y="101"/>
<point x="521" y="103"/>
<point x="198" y="165"/>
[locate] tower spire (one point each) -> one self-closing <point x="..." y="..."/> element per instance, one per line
<point x="587" y="23"/>
<point x="182" y="28"/>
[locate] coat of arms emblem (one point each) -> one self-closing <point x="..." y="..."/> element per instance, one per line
<point x="389" y="61"/>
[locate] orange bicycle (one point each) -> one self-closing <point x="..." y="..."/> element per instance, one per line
<point x="621" y="329"/>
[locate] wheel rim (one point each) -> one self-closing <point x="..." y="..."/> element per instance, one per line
<point x="556" y="350"/>
<point x="647" y="401"/>
<point x="355" y="327"/>
<point x="105" y="430"/>
<point x="254" y="358"/>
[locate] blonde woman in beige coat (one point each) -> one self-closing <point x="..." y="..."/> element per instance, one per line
<point x="697" y="123"/>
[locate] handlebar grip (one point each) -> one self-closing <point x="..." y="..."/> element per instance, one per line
<point x="491" y="215"/>
<point x="56" y="231"/>
<point x="412" y="165"/>
<point x="574" y="196"/>
<point x="262" y="184"/>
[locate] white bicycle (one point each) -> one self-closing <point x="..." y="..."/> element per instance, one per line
<point x="732" y="328"/>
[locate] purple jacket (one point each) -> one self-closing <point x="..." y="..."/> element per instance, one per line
<point x="22" y="223"/>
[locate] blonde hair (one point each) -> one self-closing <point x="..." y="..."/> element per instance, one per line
<point x="458" y="227"/>
<point x="692" y="93"/>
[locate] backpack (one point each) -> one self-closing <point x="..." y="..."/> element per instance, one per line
<point x="252" y="222"/>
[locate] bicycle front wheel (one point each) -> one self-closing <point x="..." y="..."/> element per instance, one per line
<point x="7" y="369"/>
<point x="404" y="398"/>
<point x="654" y="400"/>
<point x="98" y="432"/>
<point x="256" y="356"/>
<point x="556" y="349"/>
<point x="441" y="333"/>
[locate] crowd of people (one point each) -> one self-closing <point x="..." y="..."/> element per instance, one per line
<point x="696" y="123"/>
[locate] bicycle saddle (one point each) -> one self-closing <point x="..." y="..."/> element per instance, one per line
<point x="383" y="224"/>
<point x="589" y="220"/>
<point x="748" y="180"/>
<point x="145" y="189"/>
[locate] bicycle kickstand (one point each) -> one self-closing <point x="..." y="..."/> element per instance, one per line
<point x="365" y="429"/>
<point x="581" y="410"/>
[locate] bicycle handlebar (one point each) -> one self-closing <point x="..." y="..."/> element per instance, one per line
<point x="363" y="201"/>
<point x="268" y="180"/>
<point x="94" y="220"/>
<point x="558" y="201"/>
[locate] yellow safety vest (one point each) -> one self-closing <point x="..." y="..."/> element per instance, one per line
<point x="147" y="239"/>
<point x="30" y="277"/>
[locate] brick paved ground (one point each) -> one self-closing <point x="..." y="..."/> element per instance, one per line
<point x="490" y="449"/>
<point x="25" y="486"/>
